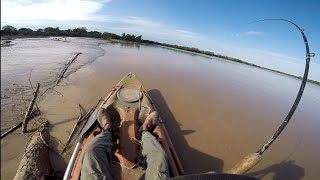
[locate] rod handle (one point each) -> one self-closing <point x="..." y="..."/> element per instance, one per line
<point x="246" y="164"/>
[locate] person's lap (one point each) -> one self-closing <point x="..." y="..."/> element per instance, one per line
<point x="97" y="156"/>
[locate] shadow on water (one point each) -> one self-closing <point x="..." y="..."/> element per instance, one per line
<point x="284" y="170"/>
<point x="193" y="161"/>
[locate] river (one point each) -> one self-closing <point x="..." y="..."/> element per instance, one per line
<point x="216" y="111"/>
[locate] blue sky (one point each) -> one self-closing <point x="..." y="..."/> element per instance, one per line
<point x="219" y="26"/>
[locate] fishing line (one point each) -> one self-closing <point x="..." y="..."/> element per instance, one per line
<point x="299" y="95"/>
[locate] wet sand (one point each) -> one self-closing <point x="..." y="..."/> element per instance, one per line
<point x="216" y="111"/>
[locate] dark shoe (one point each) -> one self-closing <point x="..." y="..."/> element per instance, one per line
<point x="151" y="121"/>
<point x="104" y="119"/>
<point x="143" y="114"/>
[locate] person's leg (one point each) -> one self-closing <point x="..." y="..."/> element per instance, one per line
<point x="157" y="163"/>
<point x="95" y="159"/>
<point x="97" y="156"/>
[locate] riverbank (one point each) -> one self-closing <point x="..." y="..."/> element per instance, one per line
<point x="26" y="63"/>
<point x="12" y="37"/>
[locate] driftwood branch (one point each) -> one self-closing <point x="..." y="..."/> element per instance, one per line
<point x="10" y="130"/>
<point x="27" y="115"/>
<point x="81" y="110"/>
<point x="87" y="116"/>
<point x="74" y="128"/>
<point x="66" y="67"/>
<point x="19" y="124"/>
<point x="33" y="90"/>
<point x="91" y="111"/>
<point x="80" y="119"/>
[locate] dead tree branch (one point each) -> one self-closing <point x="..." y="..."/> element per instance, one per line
<point x="10" y="130"/>
<point x="80" y="119"/>
<point x="33" y="90"/>
<point x="66" y="67"/>
<point x="27" y="115"/>
<point x="74" y="128"/>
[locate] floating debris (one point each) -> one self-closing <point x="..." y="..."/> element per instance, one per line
<point x="6" y="43"/>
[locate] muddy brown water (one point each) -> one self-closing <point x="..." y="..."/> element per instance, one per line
<point x="216" y="111"/>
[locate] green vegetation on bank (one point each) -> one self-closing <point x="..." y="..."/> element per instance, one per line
<point x="9" y="32"/>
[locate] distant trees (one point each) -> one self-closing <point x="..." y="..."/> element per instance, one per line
<point x="67" y="32"/>
<point x="139" y="38"/>
<point x="50" y="31"/>
<point x="94" y="34"/>
<point x="25" y="31"/>
<point x="39" y="32"/>
<point x="129" y="37"/>
<point x="10" y="30"/>
<point x="76" y="32"/>
<point x="80" y="32"/>
<point x="107" y="35"/>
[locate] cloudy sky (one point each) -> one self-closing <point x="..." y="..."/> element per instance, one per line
<point x="220" y="26"/>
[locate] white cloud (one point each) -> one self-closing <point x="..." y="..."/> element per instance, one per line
<point x="247" y="33"/>
<point x="78" y="13"/>
<point x="15" y="11"/>
<point x="254" y="33"/>
<point x="132" y="20"/>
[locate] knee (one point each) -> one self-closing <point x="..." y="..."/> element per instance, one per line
<point x="157" y="165"/>
<point x="157" y="157"/>
<point x="96" y="153"/>
<point x="88" y="153"/>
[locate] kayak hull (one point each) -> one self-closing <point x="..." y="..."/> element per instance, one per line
<point x="128" y="103"/>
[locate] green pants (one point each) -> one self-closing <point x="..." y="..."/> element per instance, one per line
<point x="97" y="156"/>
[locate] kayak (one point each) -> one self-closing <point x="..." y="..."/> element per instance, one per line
<point x="128" y="104"/>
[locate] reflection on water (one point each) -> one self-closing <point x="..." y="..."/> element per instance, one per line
<point x="125" y="44"/>
<point x="215" y="111"/>
<point x="130" y="45"/>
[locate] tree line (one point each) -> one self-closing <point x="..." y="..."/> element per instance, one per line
<point x="76" y="32"/>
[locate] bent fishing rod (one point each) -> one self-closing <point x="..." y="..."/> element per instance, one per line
<point x="254" y="158"/>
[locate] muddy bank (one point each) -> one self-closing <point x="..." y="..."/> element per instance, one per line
<point x="35" y="162"/>
<point x="37" y="60"/>
<point x="216" y="112"/>
<point x="23" y="65"/>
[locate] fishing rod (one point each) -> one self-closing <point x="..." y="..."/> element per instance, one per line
<point x="254" y="158"/>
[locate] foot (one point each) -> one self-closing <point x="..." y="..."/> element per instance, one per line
<point x="104" y="119"/>
<point x="151" y="121"/>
